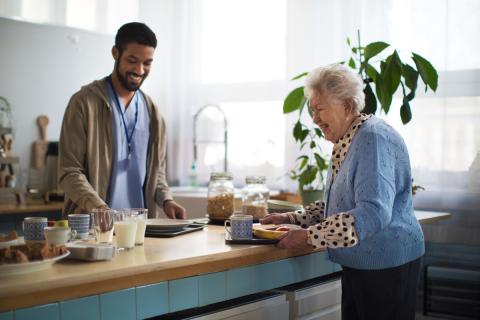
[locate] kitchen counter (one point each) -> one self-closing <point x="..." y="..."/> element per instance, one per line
<point x="162" y="260"/>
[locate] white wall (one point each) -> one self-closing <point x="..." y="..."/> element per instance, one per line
<point x="41" y="66"/>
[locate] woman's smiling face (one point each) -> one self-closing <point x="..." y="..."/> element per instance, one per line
<point x="331" y="116"/>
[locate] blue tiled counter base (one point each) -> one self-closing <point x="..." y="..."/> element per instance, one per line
<point x="170" y="296"/>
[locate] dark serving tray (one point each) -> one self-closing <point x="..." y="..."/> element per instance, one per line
<point x="153" y="233"/>
<point x="254" y="240"/>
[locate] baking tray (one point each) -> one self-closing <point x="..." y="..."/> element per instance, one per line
<point x="254" y="240"/>
<point x="152" y="233"/>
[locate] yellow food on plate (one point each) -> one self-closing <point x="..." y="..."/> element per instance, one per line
<point x="268" y="234"/>
<point x="61" y="223"/>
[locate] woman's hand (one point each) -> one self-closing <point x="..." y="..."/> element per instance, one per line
<point x="295" y="239"/>
<point x="275" y="218"/>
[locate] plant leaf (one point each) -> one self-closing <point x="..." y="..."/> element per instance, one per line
<point x="374" y="48"/>
<point x="411" y="77"/>
<point x="319" y="133"/>
<point x="383" y="94"/>
<point x="427" y="71"/>
<point x="354" y="50"/>
<point x="300" y="76"/>
<point x="321" y="162"/>
<point x="348" y="41"/>
<point x="370" y="100"/>
<point x="294" y="101"/>
<point x="304" y="134"/>
<point x="351" y="63"/>
<point x="301" y="157"/>
<point x="312" y="144"/>
<point x="371" y="71"/>
<point x="303" y="163"/>
<point x="405" y="111"/>
<point x="297" y="130"/>
<point x="391" y="74"/>
<point x="308" y="175"/>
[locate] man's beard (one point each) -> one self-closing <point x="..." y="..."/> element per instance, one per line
<point x="124" y="82"/>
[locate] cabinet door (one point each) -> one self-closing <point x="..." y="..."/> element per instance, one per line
<point x="321" y="301"/>
<point x="276" y="307"/>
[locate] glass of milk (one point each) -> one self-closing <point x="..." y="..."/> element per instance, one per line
<point x="141" y="216"/>
<point x="125" y="226"/>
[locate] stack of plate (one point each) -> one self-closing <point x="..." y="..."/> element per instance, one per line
<point x="279" y="206"/>
<point x="166" y="225"/>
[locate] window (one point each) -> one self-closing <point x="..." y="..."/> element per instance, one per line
<point x="242" y="41"/>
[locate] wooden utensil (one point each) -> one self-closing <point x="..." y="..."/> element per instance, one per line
<point x="40" y="146"/>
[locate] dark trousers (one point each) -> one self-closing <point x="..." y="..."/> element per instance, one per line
<point x="386" y="294"/>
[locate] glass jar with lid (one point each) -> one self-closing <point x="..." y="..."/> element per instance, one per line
<point x="220" y="200"/>
<point x="255" y="195"/>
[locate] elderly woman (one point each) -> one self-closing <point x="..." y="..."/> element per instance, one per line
<point x="369" y="228"/>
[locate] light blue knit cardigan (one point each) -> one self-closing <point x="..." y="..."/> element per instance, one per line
<point x="374" y="184"/>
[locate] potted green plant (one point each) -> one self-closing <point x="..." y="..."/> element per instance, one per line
<point x="382" y="78"/>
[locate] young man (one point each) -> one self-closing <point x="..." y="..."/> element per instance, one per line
<point x="113" y="138"/>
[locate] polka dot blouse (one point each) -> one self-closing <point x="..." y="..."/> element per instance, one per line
<point x="338" y="230"/>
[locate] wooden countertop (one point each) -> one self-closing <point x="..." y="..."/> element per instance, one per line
<point x="31" y="208"/>
<point x="159" y="259"/>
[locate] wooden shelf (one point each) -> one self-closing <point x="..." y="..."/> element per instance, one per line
<point x="9" y="160"/>
<point x="5" y="130"/>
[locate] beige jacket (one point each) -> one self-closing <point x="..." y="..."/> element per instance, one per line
<point x="85" y="152"/>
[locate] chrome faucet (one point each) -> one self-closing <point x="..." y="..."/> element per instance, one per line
<point x="225" y="134"/>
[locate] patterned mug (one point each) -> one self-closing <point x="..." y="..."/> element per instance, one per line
<point x="239" y="226"/>
<point x="33" y="228"/>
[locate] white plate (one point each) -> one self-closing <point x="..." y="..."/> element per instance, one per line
<point x="4" y="244"/>
<point x="10" y="269"/>
<point x="167" y="224"/>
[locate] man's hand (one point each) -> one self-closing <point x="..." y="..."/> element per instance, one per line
<point x="275" y="218"/>
<point x="173" y="210"/>
<point x="295" y="239"/>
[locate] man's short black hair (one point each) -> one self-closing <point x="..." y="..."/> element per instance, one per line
<point x="135" y="32"/>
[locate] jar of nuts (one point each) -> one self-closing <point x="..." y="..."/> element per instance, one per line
<point x="220" y="196"/>
<point x="255" y="195"/>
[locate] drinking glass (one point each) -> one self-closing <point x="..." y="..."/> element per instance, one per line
<point x="102" y="220"/>
<point x="125" y="229"/>
<point x="141" y="216"/>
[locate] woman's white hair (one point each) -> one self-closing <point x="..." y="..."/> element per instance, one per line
<point x="337" y="82"/>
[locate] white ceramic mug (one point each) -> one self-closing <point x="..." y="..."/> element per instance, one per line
<point x="239" y="226"/>
<point x="59" y="235"/>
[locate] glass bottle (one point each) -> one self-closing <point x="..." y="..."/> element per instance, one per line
<point x="220" y="198"/>
<point x="255" y="195"/>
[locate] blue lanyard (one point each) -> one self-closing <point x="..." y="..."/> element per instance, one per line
<point x="117" y="102"/>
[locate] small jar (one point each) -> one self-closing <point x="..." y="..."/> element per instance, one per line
<point x="255" y="195"/>
<point x="220" y="196"/>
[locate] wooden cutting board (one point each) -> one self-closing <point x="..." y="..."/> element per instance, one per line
<point x="40" y="146"/>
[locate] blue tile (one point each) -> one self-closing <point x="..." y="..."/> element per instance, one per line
<point x="6" y="315"/>
<point x="212" y="288"/>
<point x="81" y="308"/>
<point x="118" y="305"/>
<point x="337" y="267"/>
<point x="47" y="311"/>
<point x="273" y="275"/>
<point x="321" y="264"/>
<point x="182" y="294"/>
<point x="240" y="282"/>
<point x="303" y="268"/>
<point x="152" y="300"/>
